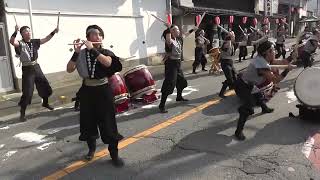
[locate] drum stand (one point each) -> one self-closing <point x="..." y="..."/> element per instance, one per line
<point x="306" y="112"/>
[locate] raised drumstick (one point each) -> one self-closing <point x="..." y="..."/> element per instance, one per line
<point x="58" y="23"/>
<point x="161" y="20"/>
<point x="15" y="19"/>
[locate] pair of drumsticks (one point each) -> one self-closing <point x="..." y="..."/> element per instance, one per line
<point x="58" y="23"/>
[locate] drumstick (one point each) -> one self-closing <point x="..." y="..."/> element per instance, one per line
<point x="223" y="29"/>
<point x="159" y="19"/>
<point x="127" y="58"/>
<point x="58" y="23"/>
<point x="15" y="19"/>
<point x="83" y="43"/>
<point x="241" y="29"/>
<point x="282" y="66"/>
<point x="264" y="38"/>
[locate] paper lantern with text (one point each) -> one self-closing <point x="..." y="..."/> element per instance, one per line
<point x="198" y="19"/>
<point x="217" y="20"/>
<point x="231" y="19"/>
<point x="169" y="18"/>
<point x="266" y="20"/>
<point x="255" y="22"/>
<point x="244" y="20"/>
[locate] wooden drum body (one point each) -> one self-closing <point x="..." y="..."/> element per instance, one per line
<point x="139" y="82"/>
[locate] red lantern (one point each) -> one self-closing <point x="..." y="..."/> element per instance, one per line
<point x="255" y="21"/>
<point x="231" y="19"/>
<point x="266" y="20"/>
<point x="244" y="20"/>
<point x="198" y="19"/>
<point x="217" y="20"/>
<point x="169" y="18"/>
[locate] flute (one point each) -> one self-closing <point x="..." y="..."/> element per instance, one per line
<point x="80" y="43"/>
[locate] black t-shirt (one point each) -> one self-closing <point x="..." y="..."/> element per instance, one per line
<point x="35" y="47"/>
<point x="101" y="71"/>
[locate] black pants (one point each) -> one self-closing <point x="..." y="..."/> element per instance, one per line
<point x="33" y="75"/>
<point x="254" y="50"/>
<point x="248" y="100"/>
<point x="229" y="72"/>
<point x="200" y="58"/>
<point x="173" y="78"/>
<point x="97" y="114"/>
<point x="306" y="59"/>
<point x="243" y="52"/>
<point x="281" y="51"/>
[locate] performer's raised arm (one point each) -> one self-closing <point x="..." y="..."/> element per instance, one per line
<point x="47" y="38"/>
<point x="13" y="40"/>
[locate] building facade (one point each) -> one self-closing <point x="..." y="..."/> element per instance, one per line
<point x="130" y="31"/>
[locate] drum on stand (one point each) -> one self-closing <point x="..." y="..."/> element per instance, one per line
<point x="306" y="89"/>
<point x="141" y="84"/>
<point x="120" y="92"/>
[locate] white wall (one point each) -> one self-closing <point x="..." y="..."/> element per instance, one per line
<point x="126" y="24"/>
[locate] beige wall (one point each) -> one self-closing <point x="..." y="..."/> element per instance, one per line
<point x="127" y="24"/>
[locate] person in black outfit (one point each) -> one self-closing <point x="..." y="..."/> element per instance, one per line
<point x="173" y="73"/>
<point x="27" y="51"/>
<point x="227" y="64"/>
<point x="200" y="51"/>
<point x="97" y="113"/>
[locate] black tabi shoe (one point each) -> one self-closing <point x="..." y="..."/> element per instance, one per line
<point x="48" y="106"/>
<point x="181" y="99"/>
<point x="239" y="135"/>
<point x="267" y="110"/>
<point x="163" y="109"/>
<point x="194" y="72"/>
<point x="117" y="162"/>
<point x="204" y="70"/>
<point x="222" y="96"/>
<point x="22" y="116"/>
<point x="89" y="156"/>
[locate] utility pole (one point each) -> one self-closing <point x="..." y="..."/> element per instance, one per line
<point x="289" y="19"/>
<point x="317" y="8"/>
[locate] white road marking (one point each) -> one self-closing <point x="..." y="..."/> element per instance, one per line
<point x="149" y="106"/>
<point x="291" y="169"/>
<point x="307" y="147"/>
<point x="187" y="91"/>
<point x="30" y="137"/>
<point x="3" y="128"/>
<point x="291" y="97"/>
<point x="9" y="154"/>
<point x="45" y="146"/>
<point x="55" y="130"/>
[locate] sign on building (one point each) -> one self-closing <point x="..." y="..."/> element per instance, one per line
<point x="268" y="7"/>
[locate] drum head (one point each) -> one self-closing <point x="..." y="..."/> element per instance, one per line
<point x="136" y="68"/>
<point x="307" y="87"/>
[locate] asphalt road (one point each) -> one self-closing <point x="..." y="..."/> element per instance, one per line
<point x="193" y="141"/>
